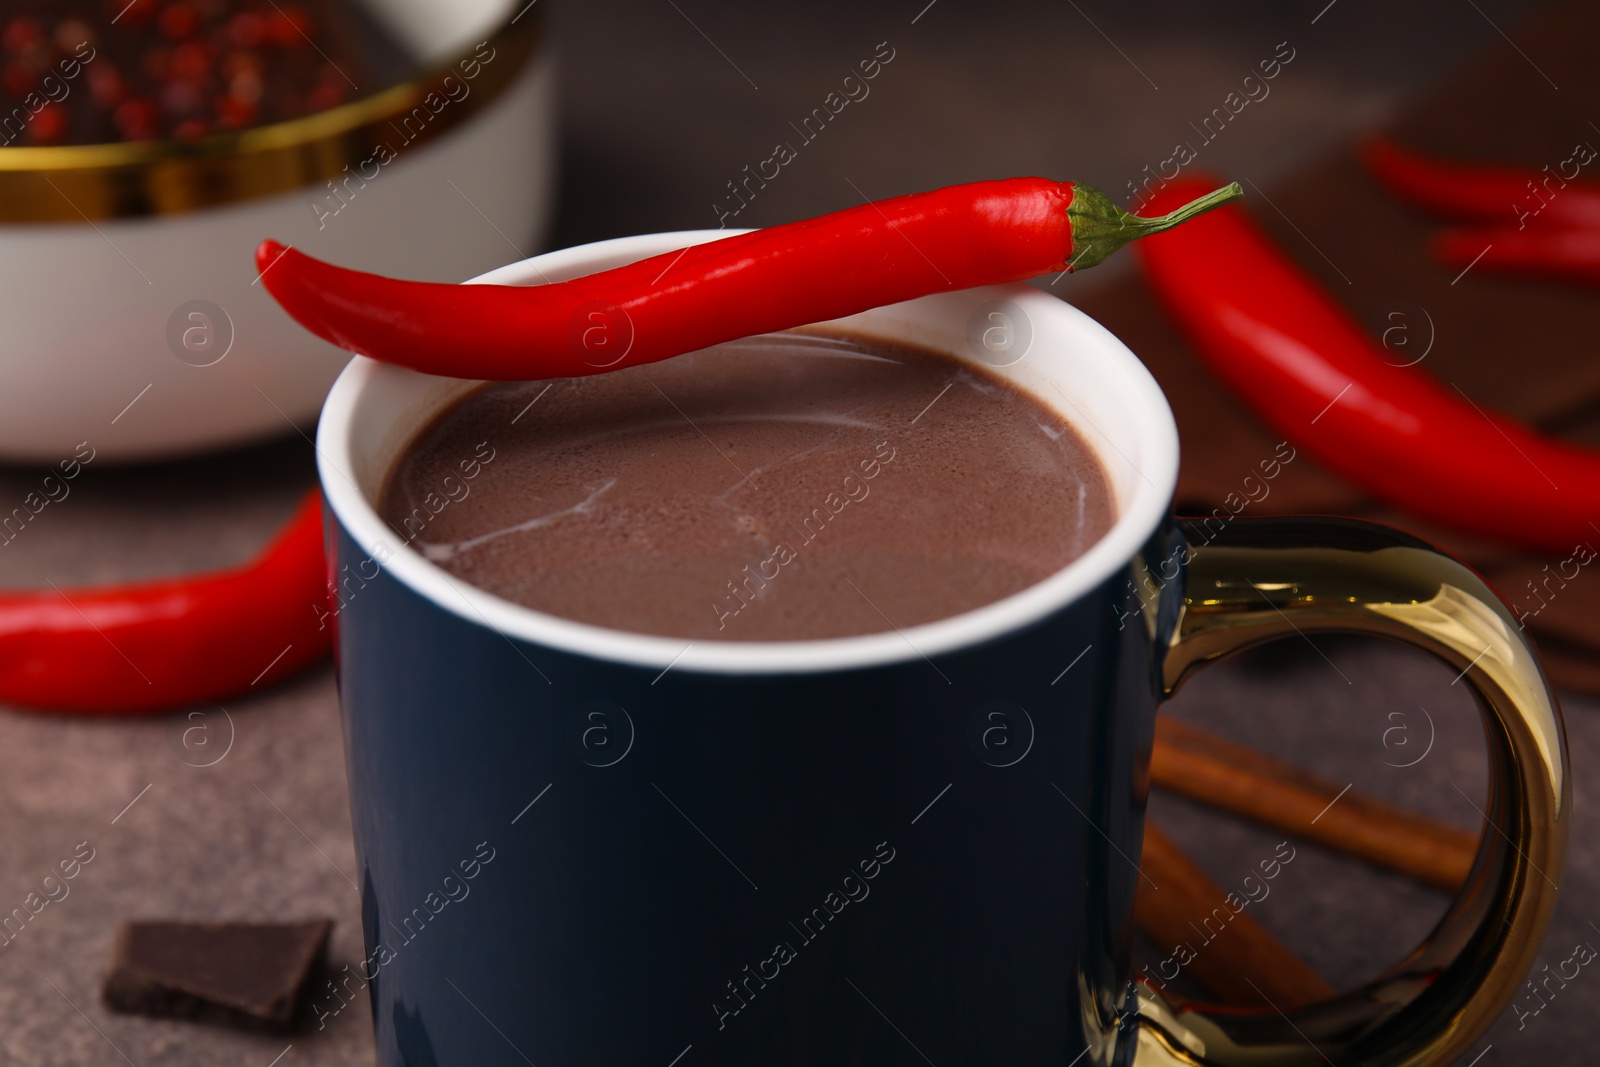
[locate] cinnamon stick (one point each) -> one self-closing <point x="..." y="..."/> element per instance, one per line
<point x="1214" y="940"/>
<point x="1238" y="779"/>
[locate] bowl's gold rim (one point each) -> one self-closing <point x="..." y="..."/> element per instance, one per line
<point x="76" y="183"/>
<point x="306" y="129"/>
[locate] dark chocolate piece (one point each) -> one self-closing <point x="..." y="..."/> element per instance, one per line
<point x="249" y="975"/>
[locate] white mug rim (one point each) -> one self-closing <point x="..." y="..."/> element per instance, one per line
<point x="1144" y="498"/>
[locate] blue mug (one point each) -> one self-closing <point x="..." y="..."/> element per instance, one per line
<point x="581" y="846"/>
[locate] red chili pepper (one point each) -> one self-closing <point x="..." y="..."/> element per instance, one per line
<point x="150" y="646"/>
<point x="772" y="279"/>
<point x="1563" y="253"/>
<point x="1484" y="192"/>
<point x="1264" y="327"/>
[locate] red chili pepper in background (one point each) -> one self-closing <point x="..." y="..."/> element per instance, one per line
<point x="773" y="279"/>
<point x="1268" y="331"/>
<point x="1563" y="253"/>
<point x="152" y="646"/>
<point x="1479" y="192"/>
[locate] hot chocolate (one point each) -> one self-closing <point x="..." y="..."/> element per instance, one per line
<point x="784" y="487"/>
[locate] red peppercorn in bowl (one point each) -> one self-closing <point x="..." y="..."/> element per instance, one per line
<point x="147" y="145"/>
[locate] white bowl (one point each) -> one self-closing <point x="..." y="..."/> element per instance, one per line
<point x="134" y="320"/>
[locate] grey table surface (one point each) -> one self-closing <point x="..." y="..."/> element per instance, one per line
<point x="663" y="103"/>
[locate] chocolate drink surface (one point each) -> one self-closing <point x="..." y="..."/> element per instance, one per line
<point x="784" y="487"/>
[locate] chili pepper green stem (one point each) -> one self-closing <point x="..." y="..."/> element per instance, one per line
<point x="1100" y="227"/>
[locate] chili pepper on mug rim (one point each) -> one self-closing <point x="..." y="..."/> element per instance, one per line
<point x="1482" y="192"/>
<point x="157" y="645"/>
<point x="1302" y="363"/>
<point x="756" y="282"/>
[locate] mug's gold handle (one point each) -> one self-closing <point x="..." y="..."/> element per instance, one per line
<point x="1260" y="580"/>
